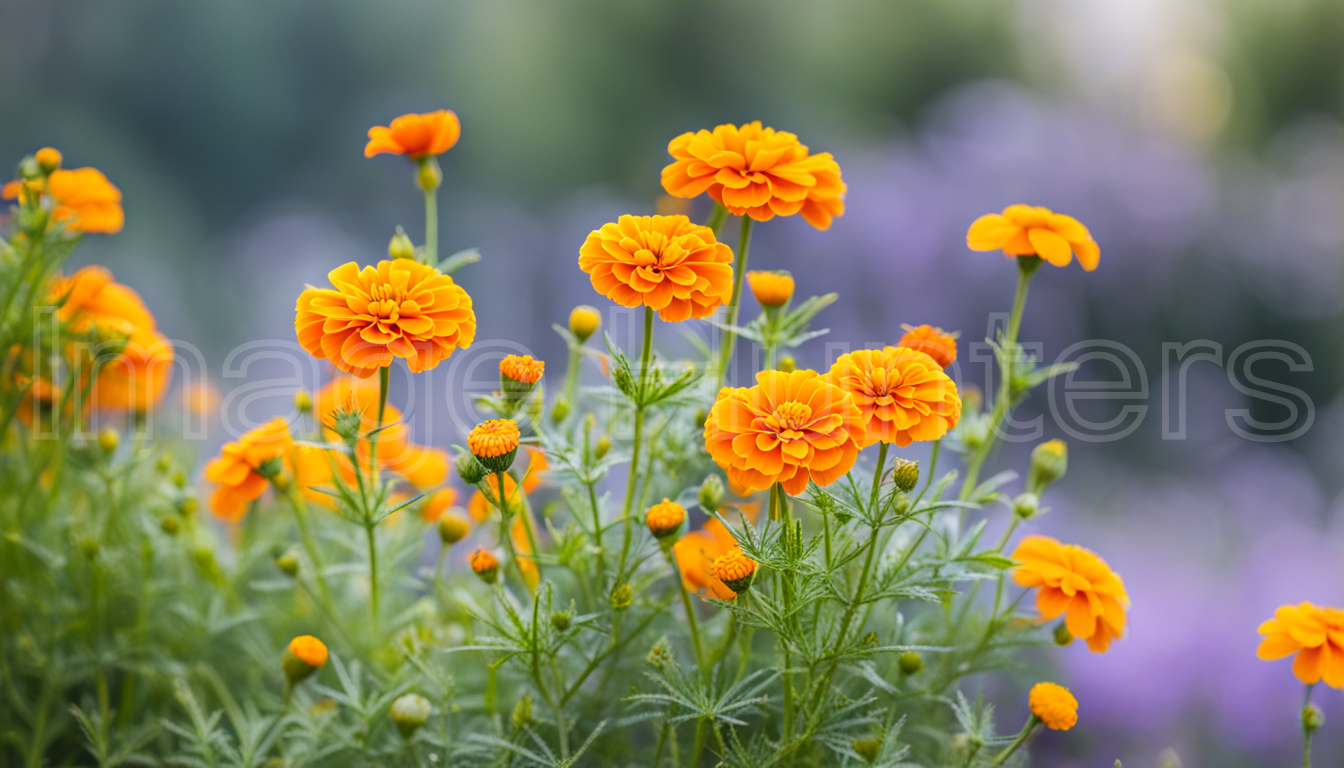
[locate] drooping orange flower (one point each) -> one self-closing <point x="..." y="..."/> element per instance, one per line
<point x="400" y="308"/>
<point x="238" y="468"/>
<point x="757" y="172"/>
<point x="421" y="466"/>
<point x="93" y="298"/>
<point x="137" y="379"/>
<point x="790" y="428"/>
<point x="664" y="262"/>
<point x="932" y="341"/>
<point x="1315" y="634"/>
<point x="903" y="394"/>
<point x="1024" y="230"/>
<point x="416" y="135"/>
<point x="1074" y="582"/>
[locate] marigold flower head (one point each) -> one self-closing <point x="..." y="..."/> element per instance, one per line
<point x="903" y="395"/>
<point x="1315" y="634"/>
<point x="485" y="565"/>
<point x="1049" y="462"/>
<point x="237" y="469"/>
<point x="1074" y="582"/>
<point x="584" y="321"/>
<point x="91" y="297"/>
<point x="664" y="519"/>
<point x="49" y="158"/>
<point x="85" y="200"/>
<point x="421" y="466"/>
<point x="373" y="315"/>
<point x="494" y="443"/>
<point x="137" y="379"/>
<point x="735" y="570"/>
<point x="453" y="527"/>
<point x="790" y="428"/>
<point x="932" y="341"/>
<point x="666" y="263"/>
<point x="757" y="172"/>
<point x="312" y="651"/>
<point x="771" y="289"/>
<point x="416" y="135"/>
<point x="524" y="369"/>
<point x="437" y="503"/>
<point x="1054" y="705"/>
<point x="1024" y="230"/>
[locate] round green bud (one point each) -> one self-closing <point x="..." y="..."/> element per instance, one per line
<point x="410" y="712"/>
<point x="911" y="663"/>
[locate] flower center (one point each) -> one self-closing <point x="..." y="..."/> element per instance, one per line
<point x="389" y="302"/>
<point x="793" y="415"/>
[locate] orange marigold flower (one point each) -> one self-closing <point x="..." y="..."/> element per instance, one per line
<point x="932" y="341"/>
<point x="416" y="136"/>
<point x="437" y="503"/>
<point x="903" y="394"/>
<point x="493" y="438"/>
<point x="420" y="466"/>
<point x="735" y="570"/>
<point x="312" y="651"/>
<point x="771" y="289"/>
<point x="664" y="262"/>
<point x="49" y="158"/>
<point x="664" y="519"/>
<point x="1054" y="705"/>
<point x="584" y="322"/>
<point x="524" y="369"/>
<point x="757" y="172"/>
<point x="485" y="564"/>
<point x="137" y="379"/>
<point x="400" y="308"/>
<point x="85" y="200"/>
<point x="695" y="554"/>
<point x="790" y="428"/>
<point x="1076" y="583"/>
<point x="1024" y="230"/>
<point x="1315" y="634"/>
<point x="238" y="468"/>
<point x="92" y="298"/>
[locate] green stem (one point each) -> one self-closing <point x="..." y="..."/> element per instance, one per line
<point x="786" y="591"/>
<point x="692" y="622"/>
<point x="373" y="574"/>
<point x="431" y="227"/>
<point x="735" y="305"/>
<point x="572" y="378"/>
<point x="309" y="544"/>
<point x="1021" y="739"/>
<point x="716" y="218"/>
<point x="645" y="356"/>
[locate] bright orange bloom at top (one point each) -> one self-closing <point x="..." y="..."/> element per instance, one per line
<point x="523" y="369"/>
<point x="416" y="136"/>
<point x="664" y="519"/>
<point x="771" y="289"/>
<point x="494" y="437"/>
<point x="1315" y="634"/>
<point x="1024" y="230"/>
<point x="757" y="172"/>
<point x="398" y="309"/>
<point x="934" y="342"/>
<point x="1054" y="705"/>
<point x="1075" y="582"/>
<point x="790" y="428"/>
<point x="903" y="394"/>
<point x="734" y="569"/>
<point x="86" y="201"/>
<point x="92" y="298"/>
<point x="664" y="262"/>
<point x="420" y="466"/>
<point x="309" y="649"/>
<point x="137" y="379"/>
<point x="237" y="468"/>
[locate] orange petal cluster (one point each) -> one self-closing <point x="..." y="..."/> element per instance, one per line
<point x="235" y="470"/>
<point x="903" y="395"/>
<point x="1315" y="634"/>
<point x="309" y="649"/>
<point x="421" y="466"/>
<point x="82" y="198"/>
<point x="771" y="289"/>
<point x="1074" y="582"/>
<point x="665" y="518"/>
<point x="415" y="135"/>
<point x="1025" y="230"/>
<point x="1054" y="705"/>
<point x="524" y="369"/>
<point x="758" y="172"/>
<point x="789" y="428"/>
<point x="734" y="570"/>
<point x="932" y="341"/>
<point x="493" y="437"/>
<point x="399" y="308"/>
<point x="695" y="554"/>
<point x="666" y="263"/>
<point x="437" y="503"/>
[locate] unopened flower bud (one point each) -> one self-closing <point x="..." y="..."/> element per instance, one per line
<point x="188" y="506"/>
<point x="603" y="445"/>
<point x="470" y="470"/>
<point x="560" y="621"/>
<point x="1049" y="462"/>
<point x="304" y="656"/>
<point x="522" y="711"/>
<point x="771" y="289"/>
<point x="163" y="463"/>
<point x="453" y="527"/>
<point x="108" y="439"/>
<point x="868" y="749"/>
<point x="410" y="712"/>
<point x="400" y="246"/>
<point x="665" y="519"/>
<point x="518" y="374"/>
<point x="428" y="176"/>
<point x="911" y="662"/>
<point x="711" y="494"/>
<point x="1312" y="718"/>
<point x="303" y="402"/>
<point x="561" y="409"/>
<point x="485" y="565"/>
<point x="621" y="597"/>
<point x="48" y="159"/>
<point x="494" y="443"/>
<point x="1027" y="506"/>
<point x="1063" y="636"/>
<point x="171" y="525"/>
<point x="584" y="322"/>
<point x="735" y="570"/>
<point x="787" y="364"/>
<point x="905" y="475"/>
<point x="660" y="655"/>
<point x="29" y="168"/>
<point x="288" y="563"/>
<point x="281" y="481"/>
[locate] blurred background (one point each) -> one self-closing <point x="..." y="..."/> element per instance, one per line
<point x="1202" y="141"/>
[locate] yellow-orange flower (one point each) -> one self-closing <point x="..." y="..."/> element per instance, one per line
<point x="903" y="394"/>
<point x="932" y="341"/>
<point x="771" y="289"/>
<point x="524" y="369"/>
<point x="584" y="321"/>
<point x="666" y="263"/>
<point x="437" y="503"/>
<point x="1024" y="230"/>
<point x="522" y="545"/>
<point x="1054" y="705"/>
<point x="493" y="438"/>
<point x="48" y="158"/>
<point x="420" y="466"/>
<point x="237" y="468"/>
<point x="479" y="507"/>
<point x="416" y="135"/>
<point x="1315" y="634"/>
<point x="485" y="564"/>
<point x="310" y="650"/>
<point x="136" y="379"/>
<point x="93" y="298"/>
<point x="664" y="519"/>
<point x="83" y="198"/>
<point x="695" y="554"/>
<point x="735" y="570"/>
<point x="400" y="308"/>
<point x="790" y="428"/>
<point x="757" y="172"/>
<point x="1074" y="582"/>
